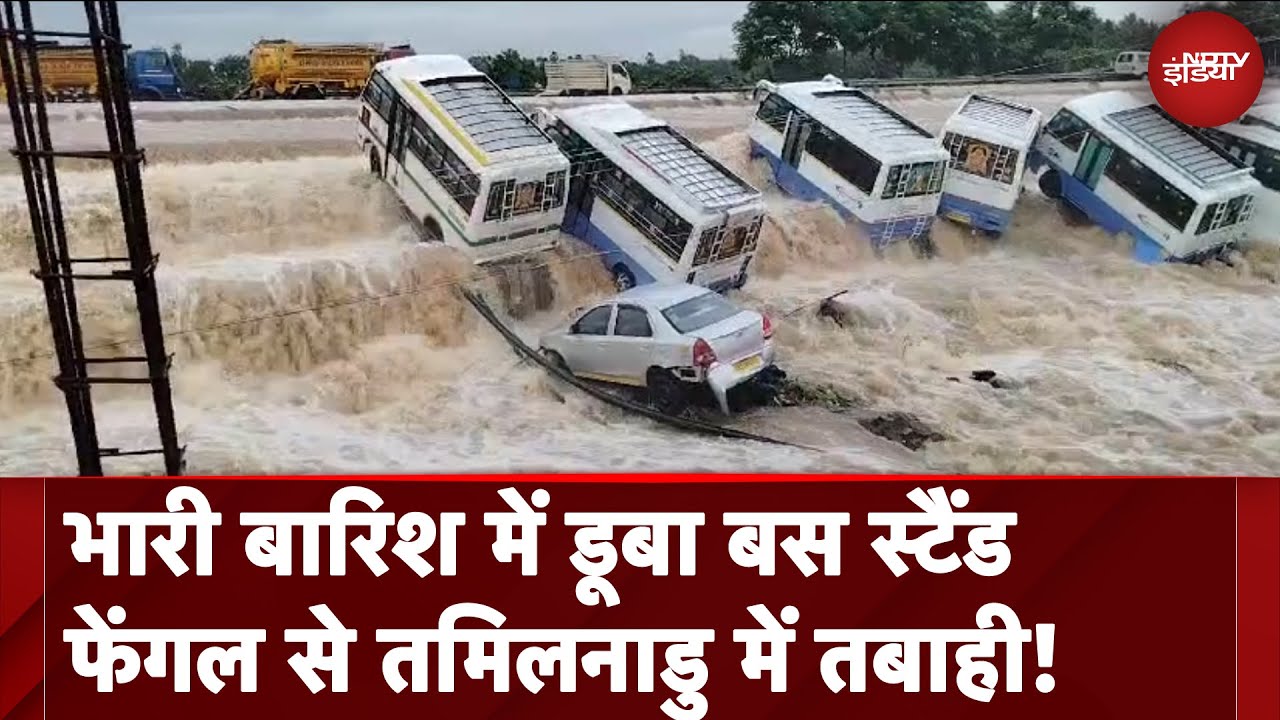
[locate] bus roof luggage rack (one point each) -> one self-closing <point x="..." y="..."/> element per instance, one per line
<point x="682" y="165"/>
<point x="485" y="114"/>
<point x="1180" y="146"/>
<point x="996" y="112"/>
<point x="866" y="113"/>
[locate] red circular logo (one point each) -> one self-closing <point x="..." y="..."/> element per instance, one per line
<point x="1205" y="69"/>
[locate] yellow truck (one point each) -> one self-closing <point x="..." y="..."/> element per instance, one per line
<point x="286" y="69"/>
<point x="69" y="73"/>
<point x="66" y="72"/>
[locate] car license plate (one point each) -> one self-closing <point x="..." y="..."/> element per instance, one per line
<point x="747" y="364"/>
<point x="958" y="217"/>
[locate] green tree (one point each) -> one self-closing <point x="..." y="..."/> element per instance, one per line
<point x="784" y="30"/>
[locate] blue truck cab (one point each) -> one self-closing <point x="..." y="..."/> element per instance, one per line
<point x="152" y="77"/>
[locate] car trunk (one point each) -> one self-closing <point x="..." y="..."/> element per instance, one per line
<point x="735" y="338"/>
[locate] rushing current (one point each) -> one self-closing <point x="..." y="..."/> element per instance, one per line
<point x="313" y="335"/>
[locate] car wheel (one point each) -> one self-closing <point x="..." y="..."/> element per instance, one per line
<point x="555" y="360"/>
<point x="623" y="278"/>
<point x="666" y="394"/>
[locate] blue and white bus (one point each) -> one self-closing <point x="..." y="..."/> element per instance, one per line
<point x="827" y="142"/>
<point x="988" y="139"/>
<point x="1255" y="140"/>
<point x="1130" y="167"/>
<point x="657" y="206"/>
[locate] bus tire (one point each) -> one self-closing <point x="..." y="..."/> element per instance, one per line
<point x="923" y="245"/>
<point x="667" y="394"/>
<point x="1051" y="184"/>
<point x="623" y="278"/>
<point x="375" y="163"/>
<point x="430" y="231"/>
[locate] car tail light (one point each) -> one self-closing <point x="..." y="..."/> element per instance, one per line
<point x="767" y="327"/>
<point x="703" y="355"/>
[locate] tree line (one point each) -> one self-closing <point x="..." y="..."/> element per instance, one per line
<point x="797" y="40"/>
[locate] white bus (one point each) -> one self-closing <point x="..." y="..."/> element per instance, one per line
<point x="657" y="206"/>
<point x="1255" y="139"/>
<point x="1130" y="167"/>
<point x="469" y="166"/>
<point x="988" y="139"/>
<point x="827" y="142"/>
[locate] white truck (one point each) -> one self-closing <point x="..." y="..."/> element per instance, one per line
<point x="1132" y="63"/>
<point x="587" y="76"/>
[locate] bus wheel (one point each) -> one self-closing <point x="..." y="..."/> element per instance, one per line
<point x="375" y="164"/>
<point x="430" y="231"/>
<point x="924" y="246"/>
<point x="1051" y="184"/>
<point x="666" y="394"/>
<point x="623" y="279"/>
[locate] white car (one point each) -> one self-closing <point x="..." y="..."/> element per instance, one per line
<point x="669" y="339"/>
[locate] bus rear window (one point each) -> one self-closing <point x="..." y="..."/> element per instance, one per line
<point x="717" y="244"/>
<point x="508" y="199"/>
<point x="914" y="180"/>
<point x="1225" y="214"/>
<point x="699" y="312"/>
<point x="981" y="158"/>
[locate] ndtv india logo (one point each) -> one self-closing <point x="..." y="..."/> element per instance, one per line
<point x="1205" y="69"/>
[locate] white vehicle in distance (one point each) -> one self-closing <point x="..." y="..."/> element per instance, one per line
<point x="587" y="76"/>
<point x="672" y="340"/>
<point x="1131" y="63"/>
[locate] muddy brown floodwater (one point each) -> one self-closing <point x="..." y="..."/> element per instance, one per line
<point x="263" y="210"/>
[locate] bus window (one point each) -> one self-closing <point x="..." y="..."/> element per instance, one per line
<point x="1068" y="129"/>
<point x="667" y="230"/>
<point x="913" y="180"/>
<point x="773" y="112"/>
<point x="1167" y="201"/>
<point x="380" y="95"/>
<point x="1217" y="216"/>
<point x="843" y="157"/>
<point x="446" y="167"/>
<point x="983" y="159"/>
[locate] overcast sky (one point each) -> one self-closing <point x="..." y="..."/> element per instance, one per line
<point x="628" y="29"/>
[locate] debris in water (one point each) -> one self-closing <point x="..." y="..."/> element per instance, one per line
<point x="792" y="393"/>
<point x="907" y="430"/>
<point x="1171" y="364"/>
<point x="989" y="377"/>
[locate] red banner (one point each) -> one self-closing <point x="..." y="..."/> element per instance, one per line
<point x="1046" y="598"/>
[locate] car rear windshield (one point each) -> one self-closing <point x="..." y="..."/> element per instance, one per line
<point x="699" y="312"/>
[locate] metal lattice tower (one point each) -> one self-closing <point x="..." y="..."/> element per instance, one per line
<point x="58" y="271"/>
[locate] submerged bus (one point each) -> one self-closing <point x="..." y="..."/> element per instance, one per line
<point x="988" y="139"/>
<point x="1255" y="140"/>
<point x="469" y="166"/>
<point x="828" y="142"/>
<point x="1130" y="167"/>
<point x="657" y="207"/>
